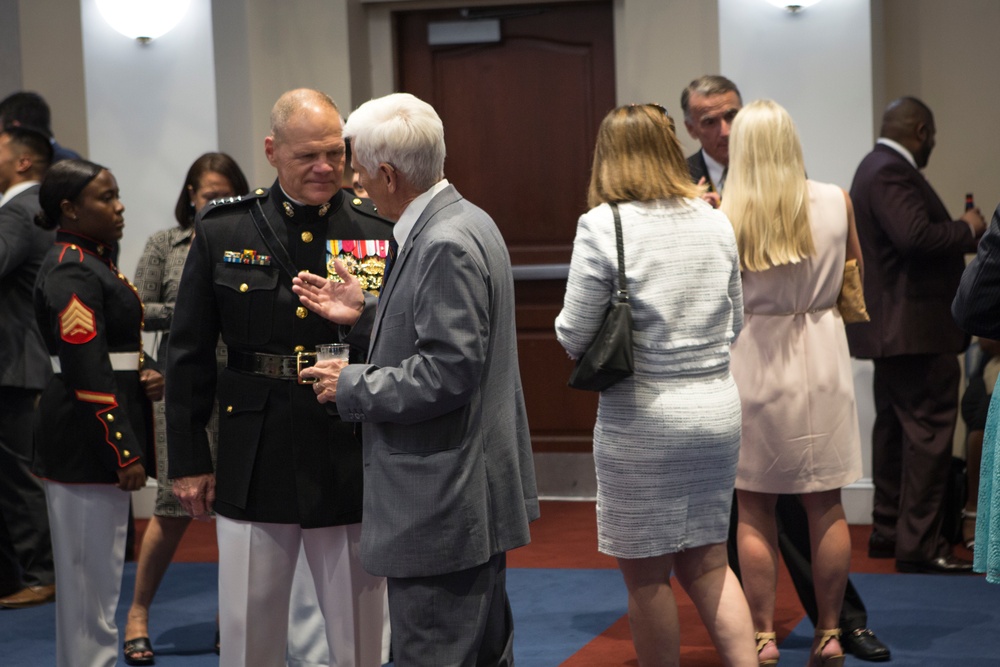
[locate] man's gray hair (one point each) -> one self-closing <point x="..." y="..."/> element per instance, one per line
<point x="403" y="131"/>
<point x="706" y="86"/>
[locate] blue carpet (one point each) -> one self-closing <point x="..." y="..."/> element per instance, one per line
<point x="556" y="613"/>
<point x="183" y="621"/>
<point x="924" y="619"/>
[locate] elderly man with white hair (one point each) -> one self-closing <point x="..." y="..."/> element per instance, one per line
<point x="449" y="485"/>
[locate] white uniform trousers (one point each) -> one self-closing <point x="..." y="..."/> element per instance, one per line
<point x="89" y="523"/>
<point x="307" y="643"/>
<point x="256" y="566"/>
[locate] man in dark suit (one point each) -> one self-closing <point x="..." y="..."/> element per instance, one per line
<point x="288" y="471"/>
<point x="914" y="256"/>
<point x="27" y="575"/>
<point x="710" y="105"/>
<point x="449" y="481"/>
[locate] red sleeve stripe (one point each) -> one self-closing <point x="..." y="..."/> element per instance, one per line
<point x="96" y="397"/>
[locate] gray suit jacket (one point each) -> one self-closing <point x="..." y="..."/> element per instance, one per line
<point x="24" y="360"/>
<point x="448" y="474"/>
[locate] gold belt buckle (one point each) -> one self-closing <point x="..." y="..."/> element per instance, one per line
<point x="304" y="360"/>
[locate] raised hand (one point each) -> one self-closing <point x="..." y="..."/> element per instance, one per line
<point x="339" y="302"/>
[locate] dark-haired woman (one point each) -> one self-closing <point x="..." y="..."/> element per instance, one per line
<point x="157" y="277"/>
<point x="92" y="422"/>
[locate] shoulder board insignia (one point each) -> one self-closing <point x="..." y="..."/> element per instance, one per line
<point x="366" y="207"/>
<point x="73" y="250"/>
<point x="224" y="202"/>
<point x="76" y="322"/>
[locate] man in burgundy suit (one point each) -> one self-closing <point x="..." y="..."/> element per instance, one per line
<point x="914" y="256"/>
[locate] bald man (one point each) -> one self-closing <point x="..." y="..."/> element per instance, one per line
<point x="914" y="256"/>
<point x="289" y="470"/>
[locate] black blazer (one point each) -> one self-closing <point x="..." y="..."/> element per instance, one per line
<point x="914" y="257"/>
<point x="24" y="361"/>
<point x="282" y="456"/>
<point x="698" y="168"/>
<point x="91" y="419"/>
<point x="977" y="304"/>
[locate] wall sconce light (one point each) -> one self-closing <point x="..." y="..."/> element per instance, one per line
<point x="143" y="20"/>
<point x="793" y="6"/>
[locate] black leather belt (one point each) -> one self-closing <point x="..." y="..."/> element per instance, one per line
<point x="278" y="366"/>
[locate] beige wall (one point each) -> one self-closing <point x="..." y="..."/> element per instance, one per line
<point x="943" y="53"/>
<point x="266" y="48"/>
<point x="51" y="64"/>
<point x="660" y="47"/>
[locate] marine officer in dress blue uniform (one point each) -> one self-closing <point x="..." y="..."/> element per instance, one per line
<point x="289" y="471"/>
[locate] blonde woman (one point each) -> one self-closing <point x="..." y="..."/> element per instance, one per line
<point x="792" y="367"/>
<point x="667" y="439"/>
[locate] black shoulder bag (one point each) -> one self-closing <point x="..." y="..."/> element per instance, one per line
<point x="609" y="358"/>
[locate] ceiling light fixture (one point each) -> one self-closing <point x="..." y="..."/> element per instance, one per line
<point x="793" y="6"/>
<point x="143" y="20"/>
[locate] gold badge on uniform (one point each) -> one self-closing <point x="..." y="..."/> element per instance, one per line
<point x="289" y="209"/>
<point x="365" y="259"/>
<point x="76" y="322"/>
<point x="324" y="208"/>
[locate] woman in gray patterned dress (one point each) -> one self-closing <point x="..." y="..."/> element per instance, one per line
<point x="667" y="439"/>
<point x="157" y="277"/>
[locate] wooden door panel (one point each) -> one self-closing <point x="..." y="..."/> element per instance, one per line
<point x="520" y="116"/>
<point x="520" y="119"/>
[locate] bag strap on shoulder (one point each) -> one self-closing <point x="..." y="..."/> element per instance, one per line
<point x="622" y="293"/>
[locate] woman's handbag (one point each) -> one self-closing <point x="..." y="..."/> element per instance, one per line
<point x="851" y="302"/>
<point x="609" y="358"/>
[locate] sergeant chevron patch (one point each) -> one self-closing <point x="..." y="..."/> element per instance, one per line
<point x="76" y="322"/>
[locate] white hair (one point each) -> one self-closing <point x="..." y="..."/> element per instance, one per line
<point x="403" y="131"/>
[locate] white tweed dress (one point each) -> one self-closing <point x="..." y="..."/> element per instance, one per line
<point x="666" y="440"/>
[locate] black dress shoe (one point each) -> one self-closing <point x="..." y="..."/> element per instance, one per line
<point x="880" y="547"/>
<point x="949" y="564"/>
<point x="864" y="645"/>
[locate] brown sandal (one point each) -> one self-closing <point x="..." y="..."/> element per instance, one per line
<point x="763" y="639"/>
<point x="824" y="637"/>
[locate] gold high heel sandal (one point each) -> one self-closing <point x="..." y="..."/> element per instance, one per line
<point x="824" y="637"/>
<point x="763" y="639"/>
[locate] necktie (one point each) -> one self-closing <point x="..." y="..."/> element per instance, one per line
<point x="722" y="180"/>
<point x="390" y="260"/>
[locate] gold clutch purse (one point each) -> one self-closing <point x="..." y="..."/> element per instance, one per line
<point x="851" y="302"/>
